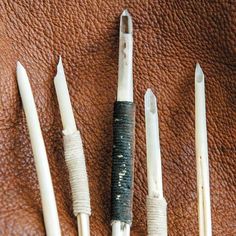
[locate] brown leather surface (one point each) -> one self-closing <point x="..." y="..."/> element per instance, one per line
<point x="170" y="37"/>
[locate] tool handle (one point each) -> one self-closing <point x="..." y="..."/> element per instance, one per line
<point x="122" y="161"/>
<point x="156" y="216"/>
<point x="75" y="161"/>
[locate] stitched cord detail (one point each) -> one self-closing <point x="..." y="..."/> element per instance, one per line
<point x="156" y="216"/>
<point x="75" y="161"/>
<point x="122" y="162"/>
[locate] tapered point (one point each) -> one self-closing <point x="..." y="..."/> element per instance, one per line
<point x="20" y="70"/>
<point x="199" y="75"/>
<point x="60" y="70"/>
<point x="126" y="26"/>
<point x="60" y="65"/>
<point x="150" y="101"/>
<point x="19" y="66"/>
<point x="125" y="13"/>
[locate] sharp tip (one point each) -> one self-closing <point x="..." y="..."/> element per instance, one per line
<point x="60" y="70"/>
<point x="199" y="75"/>
<point x="20" y="72"/>
<point x="18" y="65"/>
<point x="126" y="25"/>
<point x="20" y="69"/>
<point x="149" y="92"/>
<point x="59" y="64"/>
<point x="150" y="101"/>
<point x="125" y="13"/>
<point x="198" y="67"/>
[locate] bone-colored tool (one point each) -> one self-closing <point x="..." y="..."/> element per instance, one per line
<point x="74" y="154"/>
<point x="50" y="214"/>
<point x="204" y="204"/>
<point x="156" y="203"/>
<point x="125" y="88"/>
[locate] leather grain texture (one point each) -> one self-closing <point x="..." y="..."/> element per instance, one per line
<point x="170" y="37"/>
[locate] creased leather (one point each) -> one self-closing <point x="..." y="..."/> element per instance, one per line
<point x="170" y="37"/>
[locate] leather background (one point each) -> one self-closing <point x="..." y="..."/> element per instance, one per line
<point x="170" y="37"/>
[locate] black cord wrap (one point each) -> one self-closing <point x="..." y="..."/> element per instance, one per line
<point x="122" y="161"/>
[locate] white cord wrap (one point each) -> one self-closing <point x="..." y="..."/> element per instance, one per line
<point x="156" y="216"/>
<point x="74" y="156"/>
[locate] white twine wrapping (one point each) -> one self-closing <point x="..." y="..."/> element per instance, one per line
<point x="75" y="161"/>
<point x="156" y="216"/>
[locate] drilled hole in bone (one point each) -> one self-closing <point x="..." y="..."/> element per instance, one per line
<point x="124" y="47"/>
<point x="125" y="28"/>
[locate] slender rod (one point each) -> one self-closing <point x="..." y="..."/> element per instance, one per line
<point x="50" y="214"/>
<point x="154" y="169"/>
<point x="204" y="204"/>
<point x="156" y="203"/>
<point x="69" y="127"/>
<point x="125" y="86"/>
<point x="65" y="107"/>
<point x="125" y="67"/>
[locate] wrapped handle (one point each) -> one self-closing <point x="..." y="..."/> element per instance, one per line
<point x="75" y="162"/>
<point x="122" y="161"/>
<point x="156" y="216"/>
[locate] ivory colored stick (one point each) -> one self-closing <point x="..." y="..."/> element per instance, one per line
<point x="83" y="224"/>
<point x="69" y="127"/>
<point x="125" y="67"/>
<point x="66" y="111"/>
<point x="40" y="157"/>
<point x="154" y="169"/>
<point x="125" y="86"/>
<point x="120" y="229"/>
<point x="204" y="204"/>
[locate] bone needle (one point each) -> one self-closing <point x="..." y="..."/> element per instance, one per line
<point x="204" y="205"/>
<point x="123" y="133"/>
<point x="50" y="214"/>
<point x="156" y="203"/>
<point x="74" y="154"/>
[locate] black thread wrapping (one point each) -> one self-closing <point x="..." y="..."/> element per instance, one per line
<point x="122" y="161"/>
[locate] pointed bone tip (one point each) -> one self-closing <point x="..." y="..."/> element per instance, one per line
<point x="198" y="67"/>
<point x="199" y="75"/>
<point x="149" y="93"/>
<point x="150" y="101"/>
<point x="126" y="25"/>
<point x="59" y="64"/>
<point x="19" y="66"/>
<point x="20" y="70"/>
<point x="60" y="69"/>
<point x="125" y="13"/>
